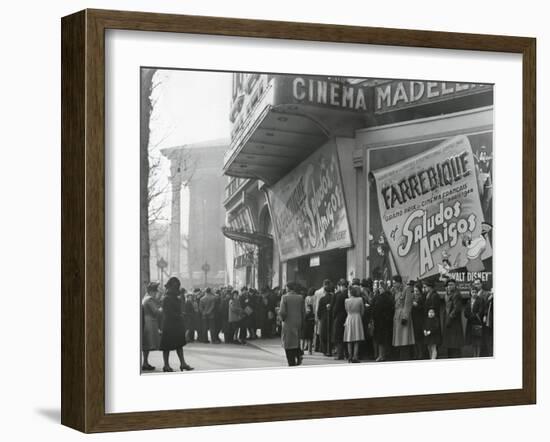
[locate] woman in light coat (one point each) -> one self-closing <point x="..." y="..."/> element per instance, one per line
<point x="403" y="331"/>
<point x="151" y="313"/>
<point x="353" y="327"/>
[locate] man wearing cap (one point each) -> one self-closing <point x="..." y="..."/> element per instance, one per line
<point x="292" y="312"/>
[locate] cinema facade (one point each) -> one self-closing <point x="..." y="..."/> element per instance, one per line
<point x="332" y="177"/>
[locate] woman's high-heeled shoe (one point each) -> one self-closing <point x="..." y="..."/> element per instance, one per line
<point x="167" y="369"/>
<point x="186" y="367"/>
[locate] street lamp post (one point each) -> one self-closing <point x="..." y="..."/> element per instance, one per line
<point x="162" y="264"/>
<point x="205" y="268"/>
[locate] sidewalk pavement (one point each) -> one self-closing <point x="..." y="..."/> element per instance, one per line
<point x="257" y="353"/>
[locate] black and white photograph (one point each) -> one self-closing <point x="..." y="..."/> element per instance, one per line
<point x="301" y="220"/>
<point x="275" y="221"/>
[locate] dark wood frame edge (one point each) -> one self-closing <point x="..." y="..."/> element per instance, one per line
<point x="83" y="217"/>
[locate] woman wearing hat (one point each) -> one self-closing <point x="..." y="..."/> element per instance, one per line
<point x="150" y="337"/>
<point x="173" y="327"/>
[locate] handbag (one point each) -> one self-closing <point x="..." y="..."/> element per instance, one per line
<point x="370" y="328"/>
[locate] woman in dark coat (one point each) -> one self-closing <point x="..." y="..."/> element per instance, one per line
<point x="173" y="327"/>
<point x="474" y="327"/>
<point x="189" y="317"/>
<point x="268" y="325"/>
<point x="382" y="314"/>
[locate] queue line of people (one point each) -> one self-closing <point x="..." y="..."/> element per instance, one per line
<point x="390" y="320"/>
<point x="173" y="317"/>
<point x="364" y="320"/>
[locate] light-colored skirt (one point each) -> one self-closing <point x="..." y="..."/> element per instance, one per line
<point x="353" y="328"/>
<point x="150" y="340"/>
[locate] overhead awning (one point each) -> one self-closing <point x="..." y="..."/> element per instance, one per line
<point x="256" y="238"/>
<point x="290" y="120"/>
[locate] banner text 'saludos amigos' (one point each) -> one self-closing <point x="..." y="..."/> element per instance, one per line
<point x="430" y="210"/>
<point x="308" y="207"/>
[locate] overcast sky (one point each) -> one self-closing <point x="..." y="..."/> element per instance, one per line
<point x="191" y="106"/>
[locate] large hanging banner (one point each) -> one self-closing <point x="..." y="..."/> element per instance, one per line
<point x="431" y="212"/>
<point x="308" y="208"/>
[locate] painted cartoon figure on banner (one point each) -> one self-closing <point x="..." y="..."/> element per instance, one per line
<point x="380" y="258"/>
<point x="484" y="168"/>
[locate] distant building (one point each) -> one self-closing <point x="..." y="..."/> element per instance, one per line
<point x="205" y="242"/>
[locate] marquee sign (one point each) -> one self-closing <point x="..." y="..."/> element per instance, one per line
<point x="321" y="91"/>
<point x="401" y="94"/>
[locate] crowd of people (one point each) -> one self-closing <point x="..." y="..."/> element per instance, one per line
<point x="388" y="320"/>
<point x="223" y="315"/>
<point x="362" y="320"/>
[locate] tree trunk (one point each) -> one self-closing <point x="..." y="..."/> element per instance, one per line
<point x="146" y="109"/>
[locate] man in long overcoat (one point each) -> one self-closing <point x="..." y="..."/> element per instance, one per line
<point x="292" y="313"/>
<point x="316" y="299"/>
<point x="339" y="315"/>
<point x="453" y="332"/>
<point x="207" y="308"/>
<point x="487" y="344"/>
<point x="324" y="314"/>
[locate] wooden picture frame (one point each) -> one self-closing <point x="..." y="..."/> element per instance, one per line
<point x="83" y="219"/>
